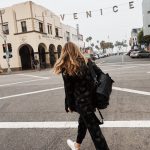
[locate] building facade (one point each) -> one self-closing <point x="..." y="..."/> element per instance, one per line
<point x="36" y="33"/>
<point x="146" y="17"/>
<point x="146" y="21"/>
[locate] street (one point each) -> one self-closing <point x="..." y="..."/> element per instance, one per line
<point x="32" y="114"/>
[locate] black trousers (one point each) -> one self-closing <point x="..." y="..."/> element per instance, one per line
<point x="88" y="120"/>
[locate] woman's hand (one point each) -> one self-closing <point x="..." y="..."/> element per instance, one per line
<point x="69" y="110"/>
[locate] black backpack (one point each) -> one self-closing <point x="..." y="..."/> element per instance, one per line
<point x="103" y="88"/>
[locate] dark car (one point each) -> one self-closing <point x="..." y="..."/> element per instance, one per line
<point x="143" y="54"/>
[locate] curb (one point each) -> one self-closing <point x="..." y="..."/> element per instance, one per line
<point x="27" y="71"/>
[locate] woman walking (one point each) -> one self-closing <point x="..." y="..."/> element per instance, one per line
<point x="79" y="94"/>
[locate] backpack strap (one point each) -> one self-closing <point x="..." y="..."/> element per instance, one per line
<point x="101" y="122"/>
<point x="94" y="76"/>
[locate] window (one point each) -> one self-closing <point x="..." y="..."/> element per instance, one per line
<point x="23" y="26"/>
<point x="41" y="27"/>
<point x="56" y="31"/>
<point x="74" y="37"/>
<point x="134" y="30"/>
<point x="80" y="37"/>
<point x="51" y="30"/>
<point x="5" y="29"/>
<point x="49" y="27"/>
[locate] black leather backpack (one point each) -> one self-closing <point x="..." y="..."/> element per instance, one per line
<point x="103" y="88"/>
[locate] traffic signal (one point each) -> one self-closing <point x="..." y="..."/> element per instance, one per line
<point x="9" y="47"/>
<point x="4" y="48"/>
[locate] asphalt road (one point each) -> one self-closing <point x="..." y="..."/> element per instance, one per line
<point x="32" y="109"/>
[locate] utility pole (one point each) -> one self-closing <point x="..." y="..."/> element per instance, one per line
<point x="78" y="38"/>
<point x="5" y="43"/>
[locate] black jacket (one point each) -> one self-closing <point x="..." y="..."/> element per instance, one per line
<point x="79" y="88"/>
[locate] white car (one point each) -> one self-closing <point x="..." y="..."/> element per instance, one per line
<point x="134" y="54"/>
<point x="101" y="55"/>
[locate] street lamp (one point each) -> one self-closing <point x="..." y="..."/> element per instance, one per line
<point x="2" y="11"/>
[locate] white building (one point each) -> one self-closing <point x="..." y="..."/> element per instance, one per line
<point x="146" y="21"/>
<point x="146" y="17"/>
<point x="33" y="30"/>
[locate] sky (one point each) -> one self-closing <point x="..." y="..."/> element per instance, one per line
<point x="109" y="27"/>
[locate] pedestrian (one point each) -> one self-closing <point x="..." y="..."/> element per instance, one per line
<point x="32" y="64"/>
<point x="79" y="95"/>
<point x="36" y="64"/>
<point x="1" y="70"/>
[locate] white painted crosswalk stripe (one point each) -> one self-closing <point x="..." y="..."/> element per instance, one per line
<point x="59" y="125"/>
<point x="30" y="93"/>
<point x="15" y="83"/>
<point x="28" y="75"/>
<point x="58" y="88"/>
<point x="131" y="91"/>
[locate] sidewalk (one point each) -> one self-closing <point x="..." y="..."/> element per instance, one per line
<point x="24" y="71"/>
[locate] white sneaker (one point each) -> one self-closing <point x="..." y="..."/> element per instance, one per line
<point x="71" y="144"/>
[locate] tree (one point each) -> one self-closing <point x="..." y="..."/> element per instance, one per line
<point x="103" y="45"/>
<point x="92" y="44"/>
<point x="96" y="46"/>
<point x="111" y="45"/>
<point x="121" y="44"/>
<point x="140" y="37"/>
<point x="89" y="39"/>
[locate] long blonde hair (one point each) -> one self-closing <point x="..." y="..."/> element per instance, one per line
<point x="69" y="60"/>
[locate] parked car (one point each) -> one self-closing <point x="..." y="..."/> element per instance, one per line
<point x="134" y="54"/>
<point x="143" y="54"/>
<point x="101" y="56"/>
<point x="93" y="57"/>
<point x="129" y="52"/>
<point x="96" y="56"/>
<point x="140" y="54"/>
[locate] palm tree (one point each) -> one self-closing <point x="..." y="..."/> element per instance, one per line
<point x="96" y="46"/>
<point x="87" y="40"/>
<point x="90" y="39"/>
<point x="92" y="44"/>
<point x="119" y="45"/>
<point x="103" y="46"/>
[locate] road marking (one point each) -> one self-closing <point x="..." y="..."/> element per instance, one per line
<point x="9" y="84"/>
<point x="125" y="65"/>
<point x="58" y="88"/>
<point x="30" y="93"/>
<point x="33" y="76"/>
<point x="131" y="91"/>
<point x="112" y="65"/>
<point x="120" y="68"/>
<point x="58" y="125"/>
<point x="127" y="62"/>
<point x="148" y="72"/>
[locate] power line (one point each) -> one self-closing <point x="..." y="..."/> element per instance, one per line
<point x="82" y="12"/>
